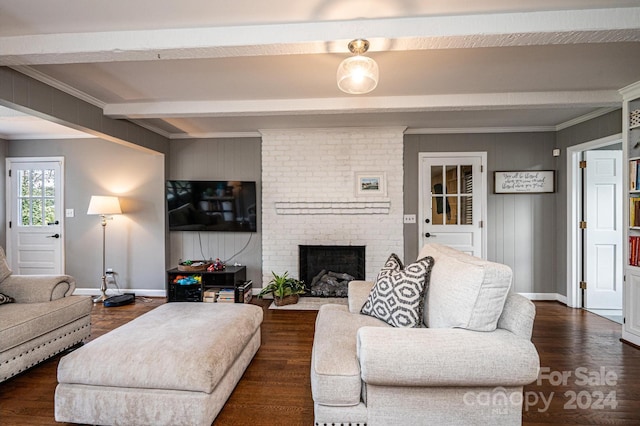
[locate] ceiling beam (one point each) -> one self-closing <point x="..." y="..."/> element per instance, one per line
<point x="431" y="32"/>
<point x="450" y="102"/>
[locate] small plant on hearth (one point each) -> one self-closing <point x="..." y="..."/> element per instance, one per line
<point x="284" y="289"/>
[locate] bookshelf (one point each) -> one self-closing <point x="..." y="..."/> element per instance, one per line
<point x="230" y="283"/>
<point x="631" y="147"/>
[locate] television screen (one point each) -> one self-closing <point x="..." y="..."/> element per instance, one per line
<point x="211" y="206"/>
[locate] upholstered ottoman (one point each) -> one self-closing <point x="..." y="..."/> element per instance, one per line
<point x="175" y="365"/>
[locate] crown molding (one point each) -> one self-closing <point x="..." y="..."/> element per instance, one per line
<point x="214" y="135"/>
<point x="590" y="116"/>
<point x="151" y="128"/>
<point x="50" y="81"/>
<point x="454" y="130"/>
<point x="39" y="136"/>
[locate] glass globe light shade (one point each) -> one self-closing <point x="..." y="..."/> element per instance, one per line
<point x="357" y="75"/>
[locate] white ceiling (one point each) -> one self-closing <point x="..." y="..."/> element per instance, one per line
<point x="199" y="68"/>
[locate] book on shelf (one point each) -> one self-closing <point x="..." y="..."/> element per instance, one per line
<point x="634" y="178"/>
<point x="634" y="250"/>
<point x="634" y="211"/>
<point x="227" y="295"/>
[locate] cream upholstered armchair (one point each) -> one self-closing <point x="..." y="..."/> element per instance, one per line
<point x="38" y="319"/>
<point x="473" y="346"/>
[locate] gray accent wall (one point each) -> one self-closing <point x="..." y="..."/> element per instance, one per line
<point x="135" y="240"/>
<point x="218" y="159"/>
<point x="526" y="232"/>
<point x="520" y="227"/>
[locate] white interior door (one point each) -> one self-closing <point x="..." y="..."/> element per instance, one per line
<point x="453" y="200"/>
<point x="34" y="216"/>
<point x="603" y="235"/>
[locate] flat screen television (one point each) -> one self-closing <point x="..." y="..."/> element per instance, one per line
<point x="225" y="206"/>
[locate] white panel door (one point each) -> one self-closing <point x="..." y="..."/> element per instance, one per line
<point x="453" y="194"/>
<point x="603" y="236"/>
<point x="34" y="216"/>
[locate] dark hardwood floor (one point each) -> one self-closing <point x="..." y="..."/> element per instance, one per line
<point x="601" y="385"/>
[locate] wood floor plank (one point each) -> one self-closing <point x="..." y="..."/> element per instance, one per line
<point x="276" y="388"/>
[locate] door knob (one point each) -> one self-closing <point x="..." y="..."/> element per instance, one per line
<point x="54" y="236"/>
<point x="427" y="221"/>
<point x="428" y="234"/>
<point x="57" y="222"/>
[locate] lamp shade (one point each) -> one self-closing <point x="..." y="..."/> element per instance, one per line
<point x="100" y="204"/>
<point x="357" y="75"/>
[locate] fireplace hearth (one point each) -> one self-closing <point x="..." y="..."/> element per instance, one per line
<point x="327" y="270"/>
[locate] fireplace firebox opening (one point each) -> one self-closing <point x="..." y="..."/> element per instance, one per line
<point x="327" y="270"/>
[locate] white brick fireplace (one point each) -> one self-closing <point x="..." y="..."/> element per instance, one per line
<point x="309" y="194"/>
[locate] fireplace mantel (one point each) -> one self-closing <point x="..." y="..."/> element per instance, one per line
<point x="332" y="207"/>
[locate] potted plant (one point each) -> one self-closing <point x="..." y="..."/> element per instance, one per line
<point x="284" y="289"/>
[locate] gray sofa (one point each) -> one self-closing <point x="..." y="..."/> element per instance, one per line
<point x="43" y="320"/>
<point x="467" y="365"/>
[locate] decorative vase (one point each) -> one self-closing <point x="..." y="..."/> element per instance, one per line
<point x="287" y="300"/>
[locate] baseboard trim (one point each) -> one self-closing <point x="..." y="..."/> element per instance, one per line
<point x="111" y="292"/>
<point x="556" y="297"/>
<point x="139" y="292"/>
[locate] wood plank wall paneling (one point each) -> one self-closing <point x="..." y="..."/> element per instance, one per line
<point x="521" y="227"/>
<point x="218" y="159"/>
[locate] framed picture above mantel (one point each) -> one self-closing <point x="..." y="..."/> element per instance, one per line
<point x="524" y="181"/>
<point x="371" y="183"/>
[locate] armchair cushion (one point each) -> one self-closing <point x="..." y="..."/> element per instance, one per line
<point x="22" y="322"/>
<point x="445" y="357"/>
<point x="335" y="378"/>
<point x="465" y="291"/>
<point x="397" y="297"/>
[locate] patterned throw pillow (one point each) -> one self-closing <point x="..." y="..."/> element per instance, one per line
<point x="5" y="299"/>
<point x="397" y="296"/>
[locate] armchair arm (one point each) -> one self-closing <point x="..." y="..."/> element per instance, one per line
<point x="358" y="294"/>
<point x="37" y="288"/>
<point x="518" y="315"/>
<point x="445" y="357"/>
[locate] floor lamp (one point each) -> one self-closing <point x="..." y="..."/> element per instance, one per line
<point x="104" y="206"/>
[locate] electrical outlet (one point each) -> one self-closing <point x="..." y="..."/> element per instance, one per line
<point x="69" y="213"/>
<point x="409" y="218"/>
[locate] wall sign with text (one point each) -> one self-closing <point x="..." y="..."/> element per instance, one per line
<point x="524" y="182"/>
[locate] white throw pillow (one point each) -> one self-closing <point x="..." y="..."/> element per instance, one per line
<point x="465" y="291"/>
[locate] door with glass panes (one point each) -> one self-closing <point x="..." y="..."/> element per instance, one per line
<point x="34" y="216"/>
<point x="453" y="200"/>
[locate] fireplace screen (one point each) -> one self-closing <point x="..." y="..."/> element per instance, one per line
<point x="327" y="270"/>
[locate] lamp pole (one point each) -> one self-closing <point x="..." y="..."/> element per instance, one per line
<point x="103" y="286"/>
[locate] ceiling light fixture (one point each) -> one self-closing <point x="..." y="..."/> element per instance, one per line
<point x="358" y="74"/>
